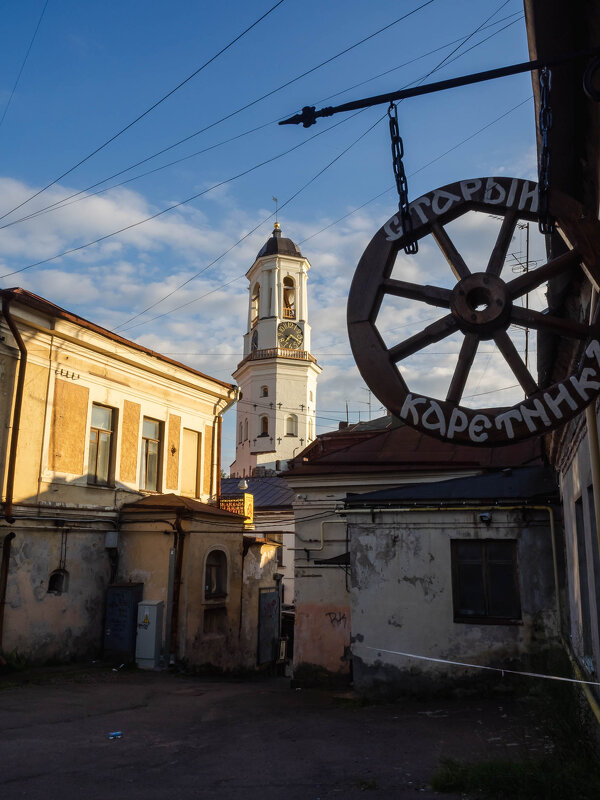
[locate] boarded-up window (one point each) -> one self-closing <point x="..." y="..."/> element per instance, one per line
<point x="190" y="463"/>
<point x="129" y="441"/>
<point x="173" y="451"/>
<point x="485" y="582"/>
<point x="69" y="427"/>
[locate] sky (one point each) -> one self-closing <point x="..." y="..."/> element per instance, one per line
<point x="89" y="91"/>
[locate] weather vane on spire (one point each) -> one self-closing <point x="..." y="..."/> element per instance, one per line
<point x="276" y="201"/>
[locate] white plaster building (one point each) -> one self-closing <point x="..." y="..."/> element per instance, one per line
<point x="277" y="376"/>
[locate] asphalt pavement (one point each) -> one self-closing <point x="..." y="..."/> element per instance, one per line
<point x="187" y="737"/>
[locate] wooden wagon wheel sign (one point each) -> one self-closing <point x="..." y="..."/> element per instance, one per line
<point x="481" y="306"/>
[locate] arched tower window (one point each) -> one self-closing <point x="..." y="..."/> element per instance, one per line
<point x="289" y="298"/>
<point x="291" y="425"/>
<point x="264" y="426"/>
<point x="311" y="429"/>
<point x="255" y="305"/>
<point x="245" y="428"/>
<point x="240" y="432"/>
<point x="264" y="391"/>
<point x="215" y="579"/>
<point x="254" y="341"/>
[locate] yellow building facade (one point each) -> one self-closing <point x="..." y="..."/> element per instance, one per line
<point x="91" y="422"/>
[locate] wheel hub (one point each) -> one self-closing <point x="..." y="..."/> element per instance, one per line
<point x="481" y="304"/>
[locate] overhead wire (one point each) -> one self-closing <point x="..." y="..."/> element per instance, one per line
<point x="184" y="305"/>
<point x="16" y="83"/>
<point x="147" y="111"/>
<point x="231" y="114"/>
<point x="87" y="193"/>
<point x="282" y="205"/>
<point x="327" y="227"/>
<point x="168" y="208"/>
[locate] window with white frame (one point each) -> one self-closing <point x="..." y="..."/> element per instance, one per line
<point x="150" y="467"/>
<point x="101" y="445"/>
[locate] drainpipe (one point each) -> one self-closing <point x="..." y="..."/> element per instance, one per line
<point x="219" y="434"/>
<point x="3" y="582"/>
<point x="16" y="415"/>
<point x="178" y="546"/>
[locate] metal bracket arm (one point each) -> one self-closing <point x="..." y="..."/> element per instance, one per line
<point x="310" y="115"/>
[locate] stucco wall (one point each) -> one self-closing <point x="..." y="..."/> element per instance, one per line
<point x="42" y="626"/>
<point x="581" y="551"/>
<point x="69" y="368"/>
<point x="402" y="597"/>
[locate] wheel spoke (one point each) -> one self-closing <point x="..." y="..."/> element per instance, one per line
<point x="463" y="367"/>
<point x="498" y="256"/>
<point x="434" y="295"/>
<point x="531" y="280"/>
<point x="429" y="335"/>
<point x="516" y="363"/>
<point x="534" y="319"/>
<point x="451" y="254"/>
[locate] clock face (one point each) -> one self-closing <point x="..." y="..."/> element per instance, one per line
<point x="289" y="335"/>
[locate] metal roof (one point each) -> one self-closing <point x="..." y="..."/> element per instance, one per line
<point x="174" y="502"/>
<point x="537" y="483"/>
<point x="46" y="307"/>
<point x="279" y="245"/>
<point x="270" y="492"/>
<point x="388" y="445"/>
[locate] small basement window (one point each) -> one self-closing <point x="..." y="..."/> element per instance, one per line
<point x="58" y="582"/>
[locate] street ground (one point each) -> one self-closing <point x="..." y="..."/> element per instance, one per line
<point x="188" y="737"/>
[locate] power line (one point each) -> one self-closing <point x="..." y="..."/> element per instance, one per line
<point x="162" y="211"/>
<point x="16" y="83"/>
<point x="228" y="116"/>
<point x="416" y="172"/>
<point x="147" y="111"/>
<point x="464" y="40"/>
<point x="327" y="227"/>
<point x="283" y="205"/>
<point x="77" y="196"/>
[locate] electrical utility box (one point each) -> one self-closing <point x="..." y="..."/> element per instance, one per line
<point x="120" y="625"/>
<point x="149" y="634"/>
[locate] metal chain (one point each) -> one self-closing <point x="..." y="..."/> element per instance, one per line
<point x="411" y="247"/>
<point x="546" y="222"/>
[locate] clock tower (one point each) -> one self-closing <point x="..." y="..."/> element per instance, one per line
<point x="277" y="377"/>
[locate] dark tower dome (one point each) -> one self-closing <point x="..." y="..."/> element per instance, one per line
<point x="278" y="245"/>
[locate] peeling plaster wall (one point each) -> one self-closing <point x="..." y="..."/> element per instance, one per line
<point x="260" y="566"/>
<point x="402" y="597"/>
<point x="322" y="596"/>
<point x="583" y="562"/>
<point x="44" y="626"/>
<point x="69" y="368"/>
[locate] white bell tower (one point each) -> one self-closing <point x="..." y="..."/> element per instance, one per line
<point x="277" y="377"/>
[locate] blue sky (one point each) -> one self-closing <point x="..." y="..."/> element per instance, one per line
<point x="94" y="67"/>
